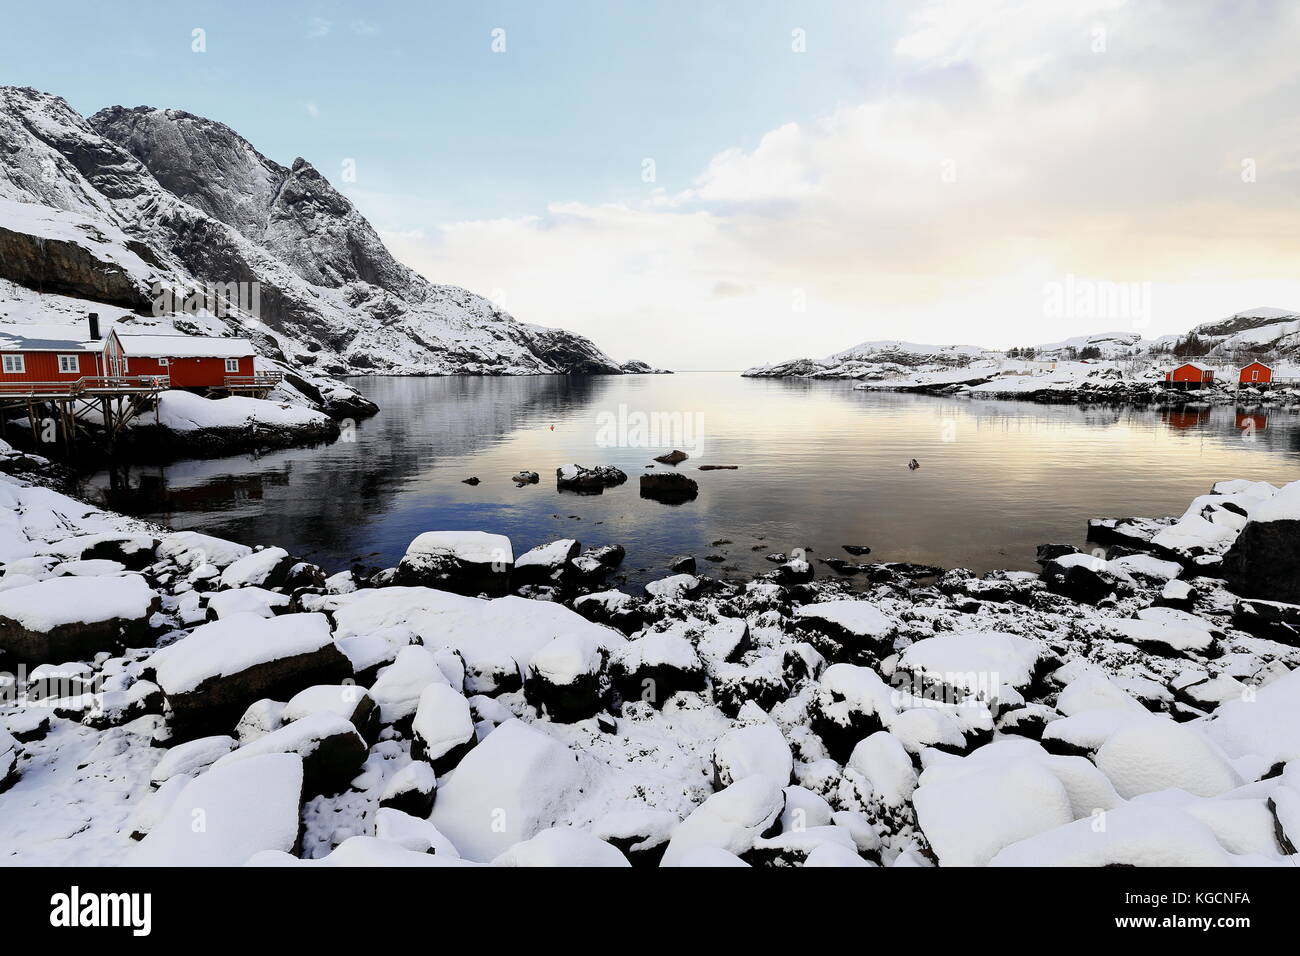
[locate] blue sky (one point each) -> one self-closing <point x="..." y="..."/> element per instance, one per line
<point x="926" y="170"/>
<point x="413" y="92"/>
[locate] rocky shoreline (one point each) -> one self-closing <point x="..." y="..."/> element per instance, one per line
<point x="476" y="706"/>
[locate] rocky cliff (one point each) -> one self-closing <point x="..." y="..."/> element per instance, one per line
<point x="192" y="204"/>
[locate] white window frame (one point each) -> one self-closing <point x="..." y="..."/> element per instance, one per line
<point x="73" y="360"/>
<point x="232" y="365"/>
<point x="15" y="365"/>
<point x="164" y="362"/>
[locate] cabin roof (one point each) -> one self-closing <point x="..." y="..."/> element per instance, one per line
<point x="1260" y="364"/>
<point x="1195" y="365"/>
<point x="47" y="337"/>
<point x="154" y="345"/>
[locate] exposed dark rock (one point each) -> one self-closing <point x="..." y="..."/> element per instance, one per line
<point x="669" y="488"/>
<point x="673" y="457"/>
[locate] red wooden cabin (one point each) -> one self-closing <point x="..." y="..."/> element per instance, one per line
<point x="1256" y="373"/>
<point x="47" y="354"/>
<point x="1189" y="375"/>
<point x="190" y="361"/>
<point x="50" y="359"/>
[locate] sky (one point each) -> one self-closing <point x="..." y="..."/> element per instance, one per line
<point x="718" y="185"/>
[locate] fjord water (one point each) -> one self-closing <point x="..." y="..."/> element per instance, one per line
<point x="820" y="466"/>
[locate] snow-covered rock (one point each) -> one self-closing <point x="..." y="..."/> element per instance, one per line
<point x="562" y="846"/>
<point x="464" y="562"/>
<point x="224" y="816"/>
<point x="442" y="729"/>
<point x="731" y="820"/>
<point x="65" y="618"/>
<point x="211" y="676"/>
<point x="331" y="750"/>
<point x="509" y="788"/>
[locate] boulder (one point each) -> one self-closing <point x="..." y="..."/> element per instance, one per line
<point x="347" y="700"/>
<point x="522" y="478"/>
<point x="674" y="457"/>
<point x="853" y="632"/>
<point x="74" y="618"/>
<point x="213" y="675"/>
<point x="1270" y="619"/>
<point x="755" y="749"/>
<point x="732" y="820"/>
<point x="513" y="785"/>
<point x="332" y="751"/>
<point x="544" y="564"/>
<point x="1264" y="561"/>
<point x="566" y="678"/>
<point x="588" y="481"/>
<point x="463" y="562"/>
<point x="654" y="667"/>
<point x="613" y="608"/>
<point x="442" y="731"/>
<point x="412" y="790"/>
<point x="1081" y="577"/>
<point x="267" y="568"/>
<point x="850" y="703"/>
<point x="226" y="815"/>
<point x="669" y="488"/>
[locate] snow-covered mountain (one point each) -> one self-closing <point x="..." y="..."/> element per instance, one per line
<point x="100" y="209"/>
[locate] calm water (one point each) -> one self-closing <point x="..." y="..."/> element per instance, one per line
<point x="820" y="466"/>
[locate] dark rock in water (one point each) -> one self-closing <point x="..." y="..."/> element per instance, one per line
<point x="610" y="555"/>
<point x="1269" y="619"/>
<point x="674" y="457"/>
<point x="1264" y="561"/>
<point x="1049" y="552"/>
<point x="1135" y="532"/>
<point x="856" y="550"/>
<point x="715" y="558"/>
<point x="469" y="481"/>
<point x="776" y="557"/>
<point x="670" y="489"/>
<point x="526" y="478"/>
<point x="682" y="564"/>
<point x="718" y="467"/>
<point x="588" y="481"/>
<point x="840" y="566"/>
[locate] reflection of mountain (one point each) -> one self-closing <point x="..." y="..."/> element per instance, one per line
<point x="261" y="499"/>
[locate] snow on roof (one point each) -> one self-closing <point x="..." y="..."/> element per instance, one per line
<point x="148" y="345"/>
<point x="1249" y="364"/>
<point x="1195" y="365"/>
<point x="48" y="336"/>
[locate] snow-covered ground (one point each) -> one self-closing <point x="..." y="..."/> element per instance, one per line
<point x="263" y="713"/>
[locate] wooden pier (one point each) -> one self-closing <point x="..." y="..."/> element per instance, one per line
<point x="114" y="399"/>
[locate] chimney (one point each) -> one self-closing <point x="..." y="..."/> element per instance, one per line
<point x="94" y="326"/>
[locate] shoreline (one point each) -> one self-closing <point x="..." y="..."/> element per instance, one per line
<point x="787" y="690"/>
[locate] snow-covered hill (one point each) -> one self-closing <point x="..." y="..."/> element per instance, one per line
<point x="1268" y="333"/>
<point x="101" y="209"/>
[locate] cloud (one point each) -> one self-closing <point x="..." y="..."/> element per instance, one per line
<point x="318" y="27"/>
<point x="313" y="110"/>
<point x="1017" y="142"/>
<point x="363" y="28"/>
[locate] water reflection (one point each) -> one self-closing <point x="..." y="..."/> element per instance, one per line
<point x="820" y="466"/>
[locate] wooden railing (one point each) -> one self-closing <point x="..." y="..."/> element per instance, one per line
<point x="256" y="380"/>
<point x="86" y="385"/>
